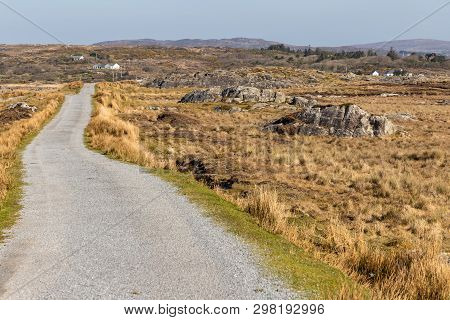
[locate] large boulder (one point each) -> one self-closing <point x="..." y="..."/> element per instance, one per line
<point x="22" y="106"/>
<point x="209" y="95"/>
<point x="301" y="102"/>
<point x="342" y="121"/>
<point x="241" y="94"/>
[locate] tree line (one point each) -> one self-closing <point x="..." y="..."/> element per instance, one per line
<point x="338" y="55"/>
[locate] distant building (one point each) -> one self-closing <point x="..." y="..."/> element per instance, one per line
<point x="375" y="73"/>
<point x="396" y="72"/>
<point x="405" y="53"/>
<point x="109" y="66"/>
<point x="112" y="66"/>
<point x="77" y="57"/>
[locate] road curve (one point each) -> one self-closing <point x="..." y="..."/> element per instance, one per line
<point x="94" y="228"/>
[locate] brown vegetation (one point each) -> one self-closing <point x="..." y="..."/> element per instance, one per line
<point x="376" y="208"/>
<point x="53" y="63"/>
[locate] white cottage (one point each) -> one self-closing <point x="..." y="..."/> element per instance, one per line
<point x="112" y="66"/>
<point x="375" y="73"/>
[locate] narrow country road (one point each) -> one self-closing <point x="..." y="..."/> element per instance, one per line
<point x="94" y="228"/>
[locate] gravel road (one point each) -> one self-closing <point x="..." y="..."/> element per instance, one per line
<point x="94" y="228"/>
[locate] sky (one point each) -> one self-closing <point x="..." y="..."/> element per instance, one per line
<point x="298" y="22"/>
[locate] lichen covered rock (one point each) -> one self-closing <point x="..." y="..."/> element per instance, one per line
<point x="341" y="121"/>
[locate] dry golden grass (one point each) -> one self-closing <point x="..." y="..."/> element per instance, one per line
<point x="116" y="137"/>
<point x="265" y="206"/>
<point x="376" y="208"/>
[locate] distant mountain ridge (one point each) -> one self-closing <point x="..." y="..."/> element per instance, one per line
<point x="413" y="45"/>
<point x="238" y="43"/>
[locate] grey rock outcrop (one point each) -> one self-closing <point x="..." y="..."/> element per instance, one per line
<point x="301" y="102"/>
<point x="342" y="121"/>
<point x="209" y="95"/>
<point x="222" y="78"/>
<point x="238" y="94"/>
<point x="16" y="112"/>
<point x="23" y="106"/>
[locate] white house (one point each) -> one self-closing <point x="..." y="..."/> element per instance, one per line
<point x="375" y="73"/>
<point x="77" y="58"/>
<point x="109" y="66"/>
<point x="389" y="73"/>
<point x="112" y="66"/>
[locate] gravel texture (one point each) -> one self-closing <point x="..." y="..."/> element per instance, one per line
<point x="94" y="228"/>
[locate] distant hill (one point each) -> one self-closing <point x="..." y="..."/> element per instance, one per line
<point x="240" y="43"/>
<point x="415" y="45"/>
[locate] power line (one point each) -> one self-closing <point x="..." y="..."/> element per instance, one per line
<point x="415" y="24"/>
<point x="32" y="22"/>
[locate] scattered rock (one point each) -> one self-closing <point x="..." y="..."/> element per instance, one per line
<point x="402" y="116"/>
<point x="152" y="108"/>
<point x="22" y="106"/>
<point x="302" y="102"/>
<point x="312" y="79"/>
<point x="260" y="106"/>
<point x="202" y="173"/>
<point x="228" y="109"/>
<point x="286" y="106"/>
<point x="348" y="76"/>
<point x="345" y="121"/>
<point x="444" y="102"/>
<point x="177" y="120"/>
<point x="209" y="95"/>
<point x="17" y="111"/>
<point x="389" y="95"/>
<point x="445" y="256"/>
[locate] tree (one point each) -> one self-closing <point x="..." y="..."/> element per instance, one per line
<point x="371" y="53"/>
<point x="279" y="47"/>
<point x="393" y="54"/>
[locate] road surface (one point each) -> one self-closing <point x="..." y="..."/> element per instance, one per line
<point x="94" y="228"/>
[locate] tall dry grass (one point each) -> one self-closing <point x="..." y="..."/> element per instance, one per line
<point x="115" y="137"/>
<point x="265" y="206"/>
<point x="418" y="273"/>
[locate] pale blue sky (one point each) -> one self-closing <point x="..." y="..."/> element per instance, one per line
<point x="318" y="23"/>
